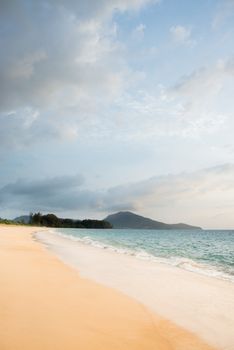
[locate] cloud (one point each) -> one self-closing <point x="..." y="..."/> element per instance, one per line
<point x="204" y="97"/>
<point x="64" y="54"/>
<point x="209" y="80"/>
<point x="198" y="197"/>
<point x="193" y="197"/>
<point x="69" y="78"/>
<point x="181" y="35"/>
<point x="51" y="194"/>
<point x="139" y="32"/>
<point x="224" y="12"/>
<point x="61" y="60"/>
<point x="196" y="105"/>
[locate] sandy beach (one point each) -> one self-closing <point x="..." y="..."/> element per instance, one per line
<point x="47" y="305"/>
<point x="198" y="303"/>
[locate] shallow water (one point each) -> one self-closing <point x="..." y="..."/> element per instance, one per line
<point x="209" y="252"/>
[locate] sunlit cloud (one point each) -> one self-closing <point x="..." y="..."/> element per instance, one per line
<point x="181" y="35"/>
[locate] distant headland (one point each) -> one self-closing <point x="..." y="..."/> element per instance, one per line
<point x="127" y="219"/>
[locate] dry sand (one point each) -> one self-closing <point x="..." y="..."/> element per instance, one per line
<point x="45" y="305"/>
<point x="201" y="304"/>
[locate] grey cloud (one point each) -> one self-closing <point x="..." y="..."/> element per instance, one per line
<point x="42" y="47"/>
<point x="185" y="196"/>
<point x="69" y="193"/>
<point x="43" y="187"/>
<point x="57" y="56"/>
<point x="58" y="193"/>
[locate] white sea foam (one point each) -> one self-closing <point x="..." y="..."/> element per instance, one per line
<point x="179" y="262"/>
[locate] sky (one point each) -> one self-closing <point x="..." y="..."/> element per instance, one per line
<point x="109" y="105"/>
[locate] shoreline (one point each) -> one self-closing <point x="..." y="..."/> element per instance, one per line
<point x="184" y="263"/>
<point x="201" y="304"/>
<point x="47" y="305"/>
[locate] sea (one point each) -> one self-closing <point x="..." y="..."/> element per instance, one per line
<point x="207" y="252"/>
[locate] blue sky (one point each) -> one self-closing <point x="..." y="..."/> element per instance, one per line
<point x="123" y="104"/>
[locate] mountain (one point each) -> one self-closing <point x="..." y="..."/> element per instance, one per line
<point x="126" y="219"/>
<point x="24" y="219"/>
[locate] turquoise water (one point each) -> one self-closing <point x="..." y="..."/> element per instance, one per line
<point x="209" y="252"/>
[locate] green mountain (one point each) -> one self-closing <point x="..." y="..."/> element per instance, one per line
<point x="24" y="219"/>
<point x="126" y="219"/>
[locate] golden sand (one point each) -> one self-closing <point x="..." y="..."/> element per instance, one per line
<point x="45" y="305"/>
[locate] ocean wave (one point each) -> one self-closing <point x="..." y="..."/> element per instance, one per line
<point x="141" y="254"/>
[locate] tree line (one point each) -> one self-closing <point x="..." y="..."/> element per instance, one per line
<point x="51" y="220"/>
<point x="7" y="222"/>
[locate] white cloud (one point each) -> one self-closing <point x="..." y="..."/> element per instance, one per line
<point x="224" y="11"/>
<point x="205" y="96"/>
<point x="73" y="74"/>
<point x="197" y="105"/>
<point x="62" y="59"/>
<point x="181" y="35"/>
<point x="139" y="32"/>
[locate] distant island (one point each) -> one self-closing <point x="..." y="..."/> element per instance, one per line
<point x="127" y="219"/>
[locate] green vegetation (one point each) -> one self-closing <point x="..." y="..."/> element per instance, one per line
<point x="51" y="220"/>
<point x="9" y="222"/>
